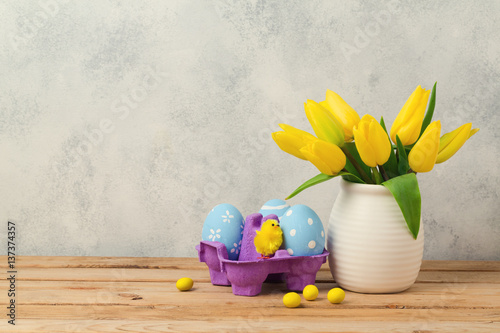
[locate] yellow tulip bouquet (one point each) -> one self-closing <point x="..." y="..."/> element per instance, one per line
<point x="360" y="150"/>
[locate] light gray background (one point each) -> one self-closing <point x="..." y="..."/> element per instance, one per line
<point x="123" y="123"/>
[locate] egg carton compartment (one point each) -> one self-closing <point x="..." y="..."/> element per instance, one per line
<point x="247" y="274"/>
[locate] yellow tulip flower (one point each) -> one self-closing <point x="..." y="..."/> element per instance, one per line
<point x="423" y="155"/>
<point x="324" y="124"/>
<point x="327" y="157"/>
<point x="451" y="142"/>
<point x="372" y="141"/>
<point x="292" y="140"/>
<point x="408" y="122"/>
<point x="344" y="113"/>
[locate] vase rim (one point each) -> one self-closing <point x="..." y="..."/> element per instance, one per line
<point x="364" y="188"/>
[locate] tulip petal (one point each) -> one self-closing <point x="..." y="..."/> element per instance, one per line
<point x="331" y="154"/>
<point x="324" y="124"/>
<point x="316" y="161"/>
<point x="339" y="106"/>
<point x="380" y="142"/>
<point x="306" y="136"/>
<point x="408" y="122"/>
<point x="402" y="115"/>
<point x="372" y="141"/>
<point x="473" y="131"/>
<point x="346" y="115"/>
<point x="289" y="143"/>
<point x="364" y="148"/>
<point x="325" y="105"/>
<point x="423" y="155"/>
<point x="451" y="142"/>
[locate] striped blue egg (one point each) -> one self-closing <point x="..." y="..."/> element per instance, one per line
<point x="303" y="232"/>
<point x="275" y="206"/>
<point x="225" y="224"/>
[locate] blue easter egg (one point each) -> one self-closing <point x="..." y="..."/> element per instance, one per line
<point x="274" y="206"/>
<point x="225" y="224"/>
<point x="303" y="232"/>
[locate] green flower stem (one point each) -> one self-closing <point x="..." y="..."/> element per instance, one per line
<point x="361" y="172"/>
<point x="376" y="174"/>
<point x="383" y="173"/>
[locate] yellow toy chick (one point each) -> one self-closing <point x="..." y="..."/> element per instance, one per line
<point x="268" y="239"/>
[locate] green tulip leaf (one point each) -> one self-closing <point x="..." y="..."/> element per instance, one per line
<point x="311" y="182"/>
<point x="319" y="179"/>
<point x="382" y="123"/>
<point x="351" y="148"/>
<point x="351" y="178"/>
<point x="407" y="194"/>
<point x="430" y="110"/>
<point x="403" y="165"/>
<point x="391" y="166"/>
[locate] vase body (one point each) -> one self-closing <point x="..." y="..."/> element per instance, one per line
<point x="371" y="248"/>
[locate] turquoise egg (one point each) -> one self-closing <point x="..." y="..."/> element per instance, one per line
<point x="225" y="224"/>
<point x="274" y="206"/>
<point x="303" y="232"/>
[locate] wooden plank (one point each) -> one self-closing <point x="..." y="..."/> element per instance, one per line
<point x="193" y="263"/>
<point x="458" y="277"/>
<point x="202" y="275"/>
<point x="421" y="288"/>
<point x="245" y="325"/>
<point x="104" y="262"/>
<point x="136" y="293"/>
<point x="110" y="274"/>
<point x="138" y="298"/>
<point x="460" y="265"/>
<point x="214" y="308"/>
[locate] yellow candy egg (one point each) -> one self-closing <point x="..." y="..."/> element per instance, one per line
<point x="336" y="295"/>
<point x="184" y="284"/>
<point x="310" y="292"/>
<point x="291" y="300"/>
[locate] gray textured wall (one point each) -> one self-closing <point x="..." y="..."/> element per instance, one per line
<point x="123" y="123"/>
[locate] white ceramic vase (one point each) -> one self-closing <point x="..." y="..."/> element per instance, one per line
<point x="371" y="248"/>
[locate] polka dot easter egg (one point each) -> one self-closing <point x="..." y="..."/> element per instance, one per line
<point x="303" y="233"/>
<point x="225" y="224"/>
<point x="275" y="206"/>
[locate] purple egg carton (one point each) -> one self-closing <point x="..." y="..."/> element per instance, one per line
<point x="247" y="274"/>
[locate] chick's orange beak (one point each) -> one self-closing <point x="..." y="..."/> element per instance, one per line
<point x="276" y="226"/>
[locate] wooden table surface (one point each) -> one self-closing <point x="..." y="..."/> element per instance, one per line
<point x="102" y="294"/>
